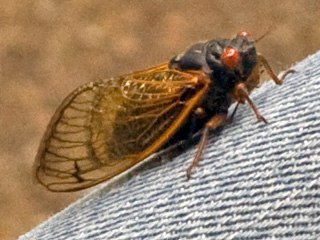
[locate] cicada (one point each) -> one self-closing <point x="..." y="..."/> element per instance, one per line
<point x="105" y="127"/>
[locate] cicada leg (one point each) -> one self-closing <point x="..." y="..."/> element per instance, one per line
<point x="241" y="93"/>
<point x="213" y="123"/>
<point x="271" y="73"/>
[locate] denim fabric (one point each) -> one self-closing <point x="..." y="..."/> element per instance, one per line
<point x="255" y="181"/>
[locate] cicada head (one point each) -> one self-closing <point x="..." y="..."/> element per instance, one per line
<point x="232" y="59"/>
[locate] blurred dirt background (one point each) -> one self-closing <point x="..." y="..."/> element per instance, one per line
<point x="48" y="48"/>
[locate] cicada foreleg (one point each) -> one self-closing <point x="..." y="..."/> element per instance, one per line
<point x="213" y="123"/>
<point x="241" y="93"/>
<point x="274" y="77"/>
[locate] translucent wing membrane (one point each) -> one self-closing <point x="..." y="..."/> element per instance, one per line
<point x="105" y="127"/>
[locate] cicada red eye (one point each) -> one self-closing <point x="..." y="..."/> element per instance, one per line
<point x="230" y="57"/>
<point x="244" y="33"/>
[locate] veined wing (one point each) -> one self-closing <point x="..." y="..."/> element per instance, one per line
<point x="105" y="127"/>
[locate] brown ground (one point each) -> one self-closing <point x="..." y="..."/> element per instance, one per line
<point x="47" y="48"/>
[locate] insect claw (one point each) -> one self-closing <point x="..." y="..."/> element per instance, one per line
<point x="264" y="120"/>
<point x="261" y="118"/>
<point x="188" y="174"/>
<point x="231" y="118"/>
<point x="189" y="169"/>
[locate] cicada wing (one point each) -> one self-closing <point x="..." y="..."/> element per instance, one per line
<point x="105" y="127"/>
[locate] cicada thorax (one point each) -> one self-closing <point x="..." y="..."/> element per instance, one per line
<point x="225" y="73"/>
